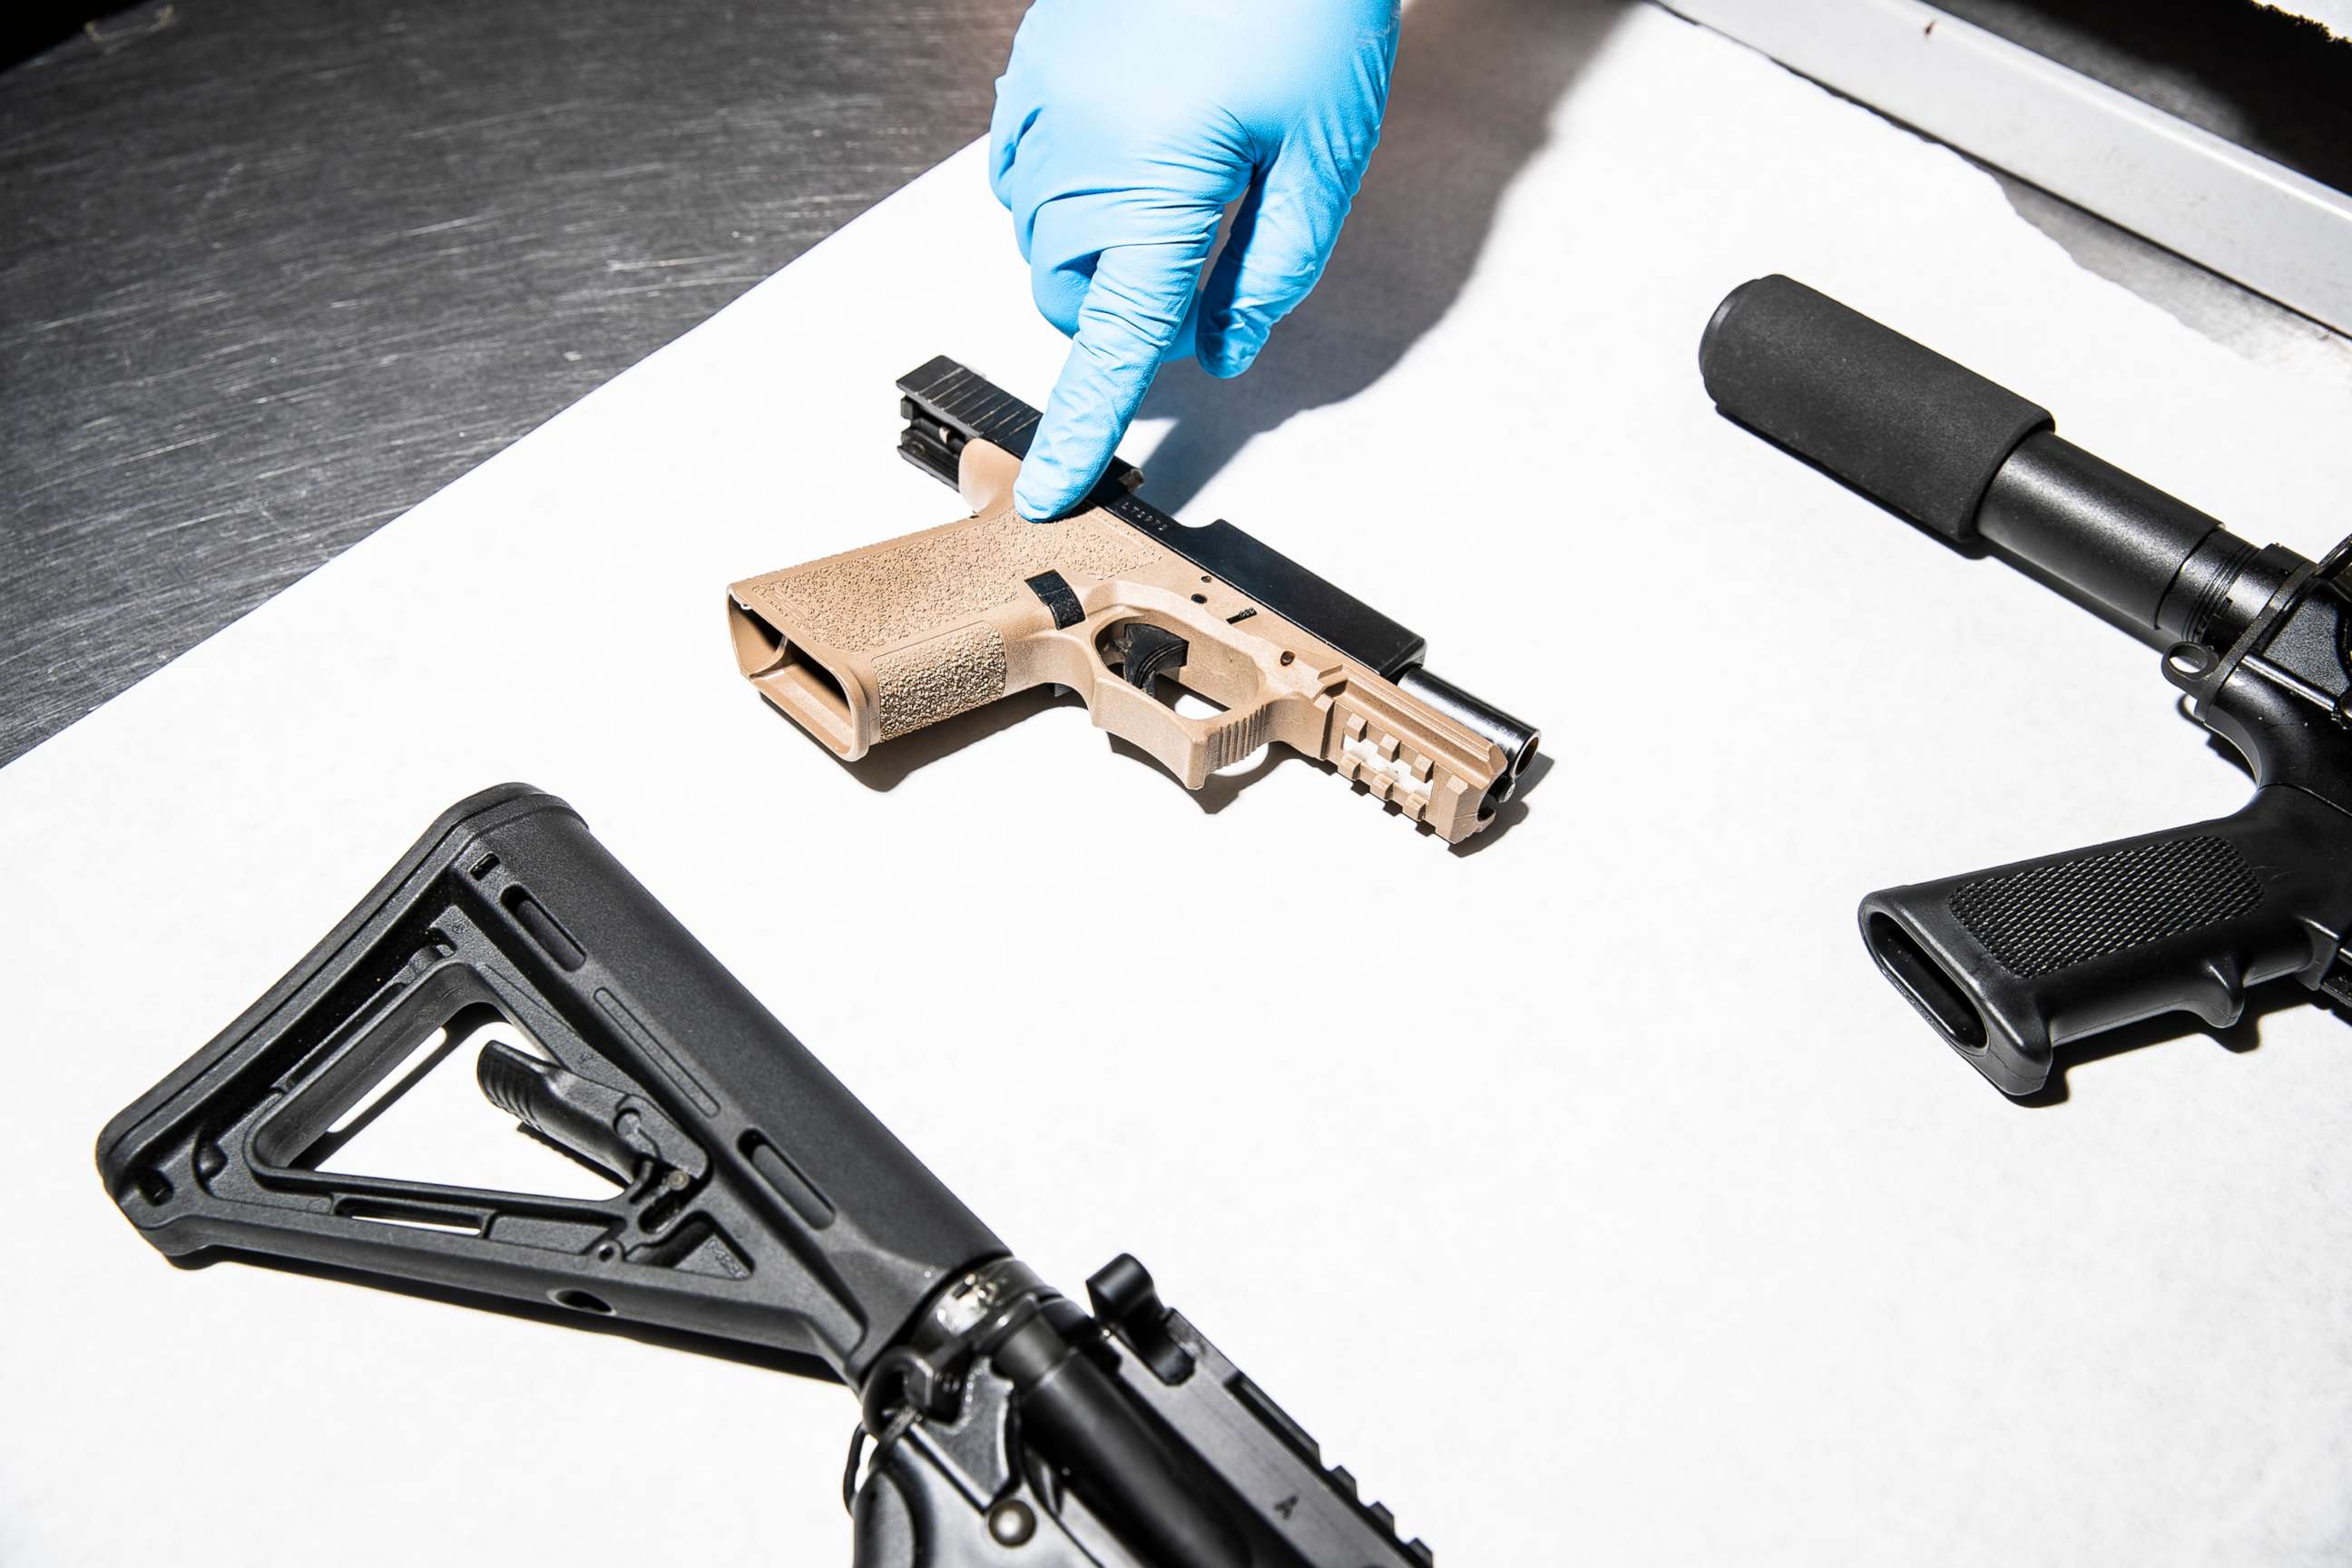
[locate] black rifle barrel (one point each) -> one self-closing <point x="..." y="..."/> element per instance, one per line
<point x="1975" y="463"/>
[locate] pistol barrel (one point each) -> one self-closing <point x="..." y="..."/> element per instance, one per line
<point x="1517" y="738"/>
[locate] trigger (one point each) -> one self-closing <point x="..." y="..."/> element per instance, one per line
<point x="1148" y="652"/>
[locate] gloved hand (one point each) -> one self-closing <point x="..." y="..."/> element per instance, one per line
<point x="1123" y="130"/>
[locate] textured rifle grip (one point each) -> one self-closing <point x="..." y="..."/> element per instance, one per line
<point x="2057" y="914"/>
<point x="2010" y="963"/>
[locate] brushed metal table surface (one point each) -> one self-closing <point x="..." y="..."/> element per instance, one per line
<point x="272" y="272"/>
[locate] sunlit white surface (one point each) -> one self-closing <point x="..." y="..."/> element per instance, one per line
<point x="1589" y="1195"/>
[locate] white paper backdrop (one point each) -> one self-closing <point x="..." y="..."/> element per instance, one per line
<point x="1589" y="1195"/>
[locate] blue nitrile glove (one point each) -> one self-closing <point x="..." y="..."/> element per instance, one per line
<point x="1123" y="130"/>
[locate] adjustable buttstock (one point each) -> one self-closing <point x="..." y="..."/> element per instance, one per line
<point x="2011" y="963"/>
<point x="763" y="1205"/>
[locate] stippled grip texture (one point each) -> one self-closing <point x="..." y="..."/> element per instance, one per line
<point x="937" y="679"/>
<point x="923" y="621"/>
<point x="1897" y="421"/>
<point x="2053" y="915"/>
<point x="877" y="599"/>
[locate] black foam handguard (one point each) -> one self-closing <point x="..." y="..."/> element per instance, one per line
<point x="1897" y="421"/>
<point x="2011" y="963"/>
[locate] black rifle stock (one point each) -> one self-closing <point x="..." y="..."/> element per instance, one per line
<point x="762" y="1205"/>
<point x="2009" y="963"/>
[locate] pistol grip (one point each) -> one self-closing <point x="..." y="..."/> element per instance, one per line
<point x="2011" y="963"/>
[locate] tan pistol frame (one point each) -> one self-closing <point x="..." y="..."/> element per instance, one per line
<point x="871" y="645"/>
